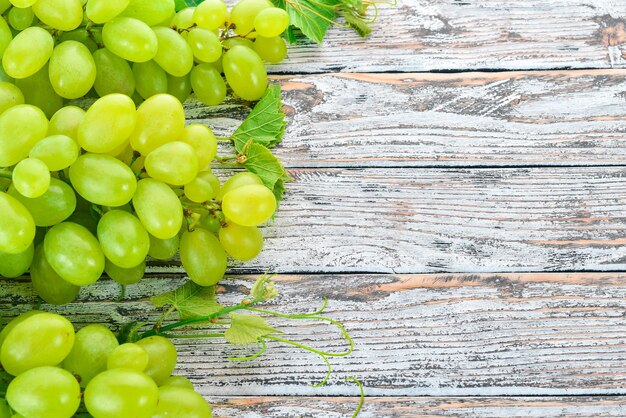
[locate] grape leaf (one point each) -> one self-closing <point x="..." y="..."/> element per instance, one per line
<point x="265" y="124"/>
<point x="260" y="161"/>
<point x="190" y="300"/>
<point x="183" y="4"/>
<point x="313" y="18"/>
<point x="247" y="329"/>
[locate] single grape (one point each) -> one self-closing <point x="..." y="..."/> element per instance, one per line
<point x="113" y="74"/>
<point x="130" y="39"/>
<point x="14" y="265"/>
<point x="4" y="5"/>
<point x="249" y="205"/>
<point x="28" y="52"/>
<point x="238" y="180"/>
<point x="160" y="119"/>
<point x="231" y="42"/>
<point x="174" y="163"/>
<point x="66" y="122"/>
<point x="202" y="139"/>
<point x="74" y="253"/>
<point x="97" y="134"/>
<point x="202" y="257"/>
<point x="64" y="15"/>
<point x="103" y="180"/>
<point x="210" y="14"/>
<point x="72" y="70"/>
<point x="158" y="208"/>
<point x="79" y="35"/>
<point x="211" y="222"/>
<point x="38" y="91"/>
<point x="241" y="242"/>
<point x="208" y="84"/>
<point x="244" y="13"/>
<point x="163" y="249"/>
<point x="183" y="19"/>
<point x="271" y="22"/>
<point x="31" y="177"/>
<point x="90" y="352"/>
<point x="22" y="3"/>
<point x="10" y="96"/>
<point x="101" y="11"/>
<point x="125" y="276"/>
<point x="178" y="381"/>
<point x="6" y="36"/>
<point x="51" y="208"/>
<point x="181" y="402"/>
<point x="245" y="72"/>
<point x="179" y="87"/>
<point x="161" y="357"/>
<point x="17" y="228"/>
<point x="201" y="188"/>
<point x="57" y="152"/>
<point x="150" y="79"/>
<point x="128" y="356"/>
<point x="205" y="44"/>
<point x="123" y="238"/>
<point x="20" y="19"/>
<point x="47" y="284"/>
<point x="174" y="54"/>
<point x="272" y="50"/>
<point x="152" y="12"/>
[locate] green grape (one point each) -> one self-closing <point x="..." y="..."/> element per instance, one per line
<point x="4" y="5"/>
<point x="231" y="42"/>
<point x="28" y="52"/>
<point x="174" y="55"/>
<point x="44" y="392"/>
<point x="20" y="19"/>
<point x="31" y="177"/>
<point x="57" y="151"/>
<point x="47" y="284"/>
<point x="179" y="87"/>
<point x="15" y="322"/>
<point x="4" y="76"/>
<point x="181" y="402"/>
<point x="74" y="253"/>
<point x="22" y="3"/>
<point x="123" y="238"/>
<point x="150" y="79"/>
<point x="97" y="134"/>
<point x="271" y="22"/>
<point x="205" y="44"/>
<point x="90" y="352"/>
<point x="85" y="218"/>
<point x="200" y="189"/>
<point x="118" y="393"/>
<point x="183" y="19"/>
<point x="249" y="205"/>
<point x="63" y="15"/>
<point x="101" y="11"/>
<point x="113" y="75"/>
<point x="241" y="242"/>
<point x="211" y="222"/>
<point x="210" y="14"/>
<point x="103" y="180"/>
<point x="130" y="39"/>
<point x="125" y="276"/>
<point x="51" y="208"/>
<point x="158" y="208"/>
<point x="72" y="70"/>
<point x="272" y="50"/>
<point x="202" y="257"/>
<point x="163" y="249"/>
<point x="10" y="96"/>
<point x="152" y="12"/>
<point x="41" y="339"/>
<point x="208" y="84"/>
<point x="238" y="180"/>
<point x="178" y="381"/>
<point x="66" y="121"/>
<point x="174" y="163"/>
<point x="160" y="119"/>
<point x="17" y="228"/>
<point x="244" y="13"/>
<point x="14" y="265"/>
<point x="128" y="356"/>
<point x="38" y="91"/>
<point x="245" y="72"/>
<point x="5" y="411"/>
<point x="202" y="139"/>
<point x="161" y="357"/>
<point x="79" y="35"/>
<point x="6" y="36"/>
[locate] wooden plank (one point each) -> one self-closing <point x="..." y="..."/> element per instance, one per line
<point x="470" y="119"/>
<point x="415" y="335"/>
<point x="408" y="407"/>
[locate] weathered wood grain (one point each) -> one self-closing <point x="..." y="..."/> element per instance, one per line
<point x="470" y="119"/>
<point x="415" y="335"/>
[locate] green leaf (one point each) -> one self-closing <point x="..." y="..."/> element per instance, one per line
<point x="190" y="300"/>
<point x="263" y="288"/>
<point x="357" y="23"/>
<point x="312" y="17"/>
<point x="247" y="329"/>
<point x="183" y="4"/>
<point x="265" y="124"/>
<point x="261" y="161"/>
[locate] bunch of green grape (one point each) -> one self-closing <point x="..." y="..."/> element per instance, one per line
<point x="101" y="190"/>
<point x="54" y="50"/>
<point x="56" y="372"/>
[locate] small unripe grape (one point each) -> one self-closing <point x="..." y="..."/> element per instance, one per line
<point x="31" y="177"/>
<point x="150" y="79"/>
<point x="20" y="19"/>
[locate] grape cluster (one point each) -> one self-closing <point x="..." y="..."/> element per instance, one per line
<point x="101" y="190"/>
<point x="66" y="49"/>
<point x="68" y="372"/>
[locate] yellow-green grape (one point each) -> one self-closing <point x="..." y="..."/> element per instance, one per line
<point x="4" y="76"/>
<point x="63" y="15"/>
<point x="40" y="339"/>
<point x="47" y="284"/>
<point x="14" y="265"/>
<point x="183" y="19"/>
<point x="20" y="19"/>
<point x="238" y="180"/>
<point x="113" y="74"/>
<point x="160" y="119"/>
<point x="200" y="189"/>
<point x="130" y="39"/>
<point x="174" y="55"/>
<point x="161" y="357"/>
<point x="5" y="35"/>
<point x="57" y="151"/>
<point x="249" y="205"/>
<point x="51" y="208"/>
<point x="152" y="12"/>
<point x="173" y="163"/>
<point x="48" y="392"/>
<point x="38" y="91"/>
<point x="101" y="11"/>
<point x="128" y="356"/>
<point x="272" y="50"/>
<point x="10" y="96"/>
<point x="231" y="42"/>
<point x="22" y="3"/>
<point x="178" y="381"/>
<point x="201" y="138"/>
<point x="244" y="13"/>
<point x="245" y="72"/>
<point x="125" y="276"/>
<point x="208" y="84"/>
<point x="179" y="87"/>
<point x="72" y="70"/>
<point x="210" y="14"/>
<point x="121" y="393"/>
<point x="241" y="242"/>
<point x="163" y="249"/>
<point x="88" y="357"/>
<point x="150" y="79"/>
<point x="21" y="127"/>
<point x="202" y="257"/>
<point x="124" y="240"/>
<point x="205" y="44"/>
<point x="181" y="402"/>
<point x="28" y="52"/>
<point x="97" y="134"/>
<point x="66" y="122"/>
<point x="31" y="177"/>
<point x="271" y="22"/>
<point x="5" y="410"/>
<point x="79" y="35"/>
<point x="158" y="208"/>
<point x="103" y="180"/>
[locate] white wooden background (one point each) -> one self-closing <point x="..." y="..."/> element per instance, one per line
<point x="460" y="197"/>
